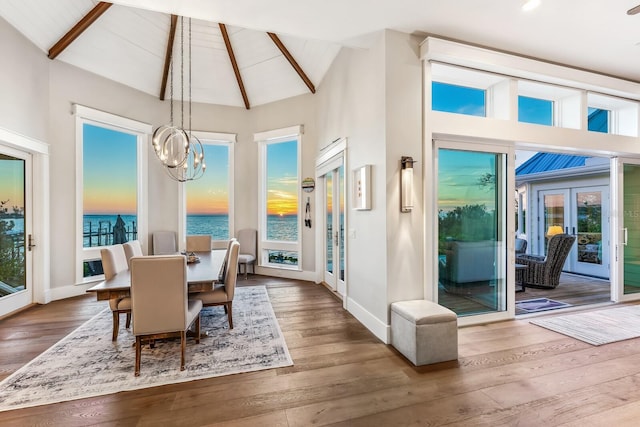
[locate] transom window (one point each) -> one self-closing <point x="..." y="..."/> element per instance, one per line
<point x="458" y="99"/>
<point x="535" y="110"/>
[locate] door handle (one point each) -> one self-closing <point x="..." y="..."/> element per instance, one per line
<point x="30" y="243"/>
<point x="625" y="236"/>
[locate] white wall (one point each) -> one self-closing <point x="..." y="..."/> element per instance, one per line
<point x="24" y="85"/>
<point x="373" y="97"/>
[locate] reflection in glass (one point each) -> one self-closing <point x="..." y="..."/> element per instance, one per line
<point x="12" y="226"/>
<point x="471" y="230"/>
<point x="329" y="210"/>
<point x="589" y="237"/>
<point x="631" y="223"/>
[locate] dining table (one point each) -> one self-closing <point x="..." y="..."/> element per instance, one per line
<point x="202" y="275"/>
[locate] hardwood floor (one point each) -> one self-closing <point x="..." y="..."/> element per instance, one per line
<point x="508" y="373"/>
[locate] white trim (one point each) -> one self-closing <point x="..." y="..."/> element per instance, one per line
<point x="111" y="119"/>
<point x="482" y="59"/>
<point x="23" y="142"/>
<point x="278" y="133"/>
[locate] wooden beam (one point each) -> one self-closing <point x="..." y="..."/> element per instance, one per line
<point x="292" y="61"/>
<point x="234" y="64"/>
<point x="168" y="56"/>
<point x="78" y="29"/>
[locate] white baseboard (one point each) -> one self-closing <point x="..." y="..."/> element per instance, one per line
<point x="378" y="328"/>
<point x="67" y="292"/>
<point x="309" y="276"/>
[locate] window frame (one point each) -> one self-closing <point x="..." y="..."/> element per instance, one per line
<point x="212" y="138"/>
<point x="264" y="245"/>
<point x="142" y="131"/>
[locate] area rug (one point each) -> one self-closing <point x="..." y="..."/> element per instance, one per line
<point x="87" y="363"/>
<point x="540" y="304"/>
<point x="597" y="327"/>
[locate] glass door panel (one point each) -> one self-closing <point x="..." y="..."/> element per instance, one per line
<point x="554" y="212"/>
<point x="329" y="240"/>
<point x="15" y="289"/>
<point x="631" y="228"/>
<point x="334" y="230"/>
<point x="471" y="231"/>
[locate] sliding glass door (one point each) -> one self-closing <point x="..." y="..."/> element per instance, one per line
<point x="472" y="229"/>
<point x="628" y="245"/>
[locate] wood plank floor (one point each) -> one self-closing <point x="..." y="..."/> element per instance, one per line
<point x="508" y="373"/>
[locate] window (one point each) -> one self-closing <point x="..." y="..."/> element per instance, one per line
<point x="535" y="110"/>
<point x="598" y="120"/>
<point x="208" y="200"/>
<point x="111" y="191"/>
<point x="458" y="99"/>
<point x="279" y="244"/>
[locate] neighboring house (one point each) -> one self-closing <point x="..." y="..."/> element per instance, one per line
<point x="571" y="192"/>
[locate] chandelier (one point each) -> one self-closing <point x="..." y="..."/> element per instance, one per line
<point x="180" y="152"/>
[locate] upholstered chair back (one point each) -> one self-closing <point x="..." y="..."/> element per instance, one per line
<point x="131" y="249"/>
<point x="231" y="273"/>
<point x="165" y="243"/>
<point x="199" y="243"/>
<point x="159" y="294"/>
<point x="114" y="260"/>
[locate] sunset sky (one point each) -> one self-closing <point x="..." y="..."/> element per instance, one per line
<point x="12" y="182"/>
<point x="209" y="195"/>
<point x="282" y="185"/>
<point x="109" y="171"/>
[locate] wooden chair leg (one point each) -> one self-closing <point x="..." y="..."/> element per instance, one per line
<point x="116" y="325"/>
<point x="198" y="329"/>
<point x="227" y="306"/>
<point x="138" y="353"/>
<point x="183" y="345"/>
<point x="128" y="324"/>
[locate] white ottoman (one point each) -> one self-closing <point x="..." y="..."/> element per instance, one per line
<point x="424" y="332"/>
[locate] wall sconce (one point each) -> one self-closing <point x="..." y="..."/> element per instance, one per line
<point x="406" y="184"/>
<point x="553" y="230"/>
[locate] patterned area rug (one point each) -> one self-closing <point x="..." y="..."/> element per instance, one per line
<point x="540" y="304"/>
<point x="597" y="327"/>
<point x="87" y="363"/>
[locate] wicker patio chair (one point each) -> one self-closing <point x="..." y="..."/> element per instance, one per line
<point x="544" y="272"/>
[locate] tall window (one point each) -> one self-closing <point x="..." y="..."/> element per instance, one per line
<point x="111" y="190"/>
<point x="280" y="198"/>
<point x="209" y="207"/>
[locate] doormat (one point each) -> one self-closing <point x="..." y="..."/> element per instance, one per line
<point x="540" y="304"/>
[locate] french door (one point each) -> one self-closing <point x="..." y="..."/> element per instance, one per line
<point x="334" y="230"/>
<point x="584" y="213"/>
<point x="15" y="230"/>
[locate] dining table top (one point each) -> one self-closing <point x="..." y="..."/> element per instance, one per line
<point x="201" y="276"/>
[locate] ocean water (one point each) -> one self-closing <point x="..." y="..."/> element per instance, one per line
<point x="281" y="228"/>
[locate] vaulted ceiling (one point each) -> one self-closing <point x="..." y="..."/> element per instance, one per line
<point x="128" y="41"/>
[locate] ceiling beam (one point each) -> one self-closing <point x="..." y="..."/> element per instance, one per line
<point x="292" y="61"/>
<point x="78" y="29"/>
<point x="168" y="56"/>
<point x="234" y="64"/>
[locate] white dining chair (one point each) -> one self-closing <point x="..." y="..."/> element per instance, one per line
<point x="165" y="243"/>
<point x="114" y="261"/>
